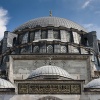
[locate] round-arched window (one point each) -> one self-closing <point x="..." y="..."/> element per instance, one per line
<point x="49" y="49"/>
<point x="63" y="49"/>
<point x="36" y="49"/>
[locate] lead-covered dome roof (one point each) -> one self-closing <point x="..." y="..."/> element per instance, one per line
<point x="50" y="71"/>
<point x="93" y="84"/>
<point x="5" y="84"/>
<point x="50" y="21"/>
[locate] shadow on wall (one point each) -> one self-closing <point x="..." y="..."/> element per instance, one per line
<point x="38" y="97"/>
<point x="45" y="97"/>
<point x="6" y="97"/>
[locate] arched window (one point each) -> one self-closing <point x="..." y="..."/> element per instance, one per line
<point x="36" y="49"/>
<point x="63" y="49"/>
<point x="23" y="50"/>
<point x="43" y="35"/>
<point x="49" y="49"/>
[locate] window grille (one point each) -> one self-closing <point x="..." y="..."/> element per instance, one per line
<point x="63" y="49"/>
<point x="23" y="50"/>
<point x="49" y="49"/>
<point x="36" y="49"/>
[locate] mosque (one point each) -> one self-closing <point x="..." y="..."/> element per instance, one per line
<point x="50" y="58"/>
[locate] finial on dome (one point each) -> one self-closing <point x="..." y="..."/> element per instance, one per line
<point x="50" y="60"/>
<point x="50" y="13"/>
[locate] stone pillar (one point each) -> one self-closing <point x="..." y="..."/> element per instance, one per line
<point x="92" y="40"/>
<point x="10" y="70"/>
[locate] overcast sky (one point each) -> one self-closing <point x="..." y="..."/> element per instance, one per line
<point x="16" y="12"/>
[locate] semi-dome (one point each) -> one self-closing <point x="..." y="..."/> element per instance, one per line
<point x="5" y="84"/>
<point x="51" y="21"/>
<point x="50" y="71"/>
<point x="93" y="84"/>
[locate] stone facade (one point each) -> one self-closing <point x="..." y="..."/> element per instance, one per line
<point x="50" y="58"/>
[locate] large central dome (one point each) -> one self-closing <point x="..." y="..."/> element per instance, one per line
<point x="50" y="21"/>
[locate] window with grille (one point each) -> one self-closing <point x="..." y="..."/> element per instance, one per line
<point x="36" y="49"/>
<point x="49" y="49"/>
<point x="23" y="50"/>
<point x="63" y="49"/>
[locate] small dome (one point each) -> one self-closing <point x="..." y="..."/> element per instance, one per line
<point x="93" y="84"/>
<point x="54" y="21"/>
<point x="5" y="84"/>
<point x="50" y="71"/>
